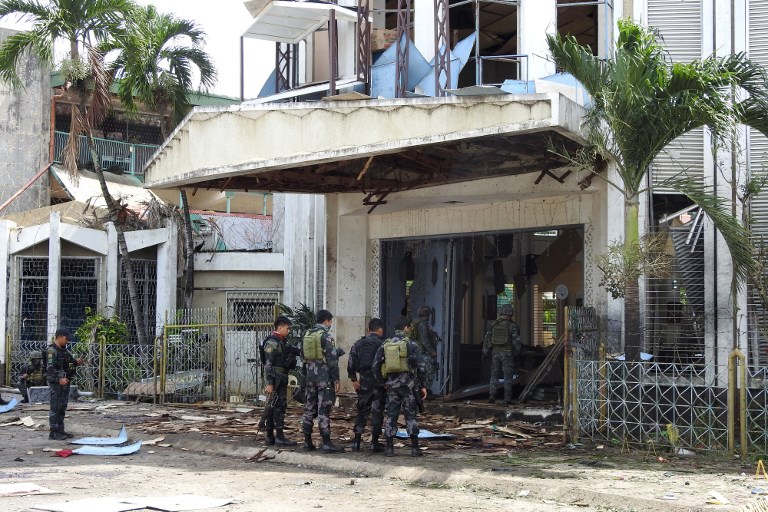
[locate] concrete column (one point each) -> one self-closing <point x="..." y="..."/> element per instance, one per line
<point x="112" y="274"/>
<point x="347" y="240"/>
<point x="5" y="233"/>
<point x="535" y="18"/>
<point x="424" y="27"/>
<point x="166" y="278"/>
<point x="54" y="273"/>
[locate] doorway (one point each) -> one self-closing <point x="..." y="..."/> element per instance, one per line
<point x="465" y="278"/>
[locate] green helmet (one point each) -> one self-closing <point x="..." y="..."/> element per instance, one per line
<point x="36" y="354"/>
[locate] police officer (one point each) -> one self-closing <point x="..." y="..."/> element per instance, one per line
<point x="421" y="332"/>
<point x="502" y="342"/>
<point x="400" y="363"/>
<point x="321" y="358"/>
<point x="61" y="369"/>
<point x="33" y="374"/>
<point x="279" y="358"/>
<point x="369" y="389"/>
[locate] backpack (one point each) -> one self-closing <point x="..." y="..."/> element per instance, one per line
<point x="500" y="333"/>
<point x="366" y="353"/>
<point x="312" y="346"/>
<point x="395" y="357"/>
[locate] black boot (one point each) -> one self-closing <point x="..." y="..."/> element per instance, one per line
<point x="375" y="444"/>
<point x="389" y="451"/>
<point x="415" y="450"/>
<point x="280" y="439"/>
<point x="356" y="442"/>
<point x="308" y="445"/>
<point x="55" y="435"/>
<point x="270" y="437"/>
<point x="329" y="447"/>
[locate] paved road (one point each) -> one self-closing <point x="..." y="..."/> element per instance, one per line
<point x="544" y="479"/>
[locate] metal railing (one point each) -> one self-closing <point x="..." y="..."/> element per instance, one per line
<point x="125" y="157"/>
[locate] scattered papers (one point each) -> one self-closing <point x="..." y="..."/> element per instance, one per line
<point x="9" y="406"/>
<point x="108" y="450"/>
<point x="168" y="504"/>
<point x="103" y="441"/>
<point x="24" y="489"/>
<point x="153" y="442"/>
<point x="717" y="499"/>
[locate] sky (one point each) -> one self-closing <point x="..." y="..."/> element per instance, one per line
<point x="223" y="22"/>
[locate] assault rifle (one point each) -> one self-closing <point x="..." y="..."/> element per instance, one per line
<point x="267" y="412"/>
<point x="419" y="400"/>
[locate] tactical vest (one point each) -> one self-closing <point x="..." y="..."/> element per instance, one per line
<point x="312" y="346"/>
<point x="500" y="334"/>
<point x="36" y="376"/>
<point x="278" y="358"/>
<point x="395" y="357"/>
<point x="366" y="352"/>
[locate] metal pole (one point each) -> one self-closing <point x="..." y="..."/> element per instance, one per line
<point x="478" y="64"/>
<point x="164" y="360"/>
<point x="102" y="364"/>
<point x="737" y="368"/>
<point x="220" y="357"/>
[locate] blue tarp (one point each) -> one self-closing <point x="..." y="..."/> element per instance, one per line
<point x="103" y="441"/>
<point x="9" y="406"/>
<point x="108" y="450"/>
<point x="423" y="434"/>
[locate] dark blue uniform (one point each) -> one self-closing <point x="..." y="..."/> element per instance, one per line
<point x="371" y="395"/>
<point x="61" y="364"/>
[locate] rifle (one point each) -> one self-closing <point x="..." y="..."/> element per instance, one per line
<point x="267" y="412"/>
<point x="419" y="400"/>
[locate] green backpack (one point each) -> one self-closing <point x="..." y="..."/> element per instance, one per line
<point x="500" y="333"/>
<point x="312" y="346"/>
<point x="395" y="357"/>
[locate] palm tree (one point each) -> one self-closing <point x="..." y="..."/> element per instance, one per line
<point x="83" y="24"/>
<point x="641" y="103"/>
<point x="154" y="65"/>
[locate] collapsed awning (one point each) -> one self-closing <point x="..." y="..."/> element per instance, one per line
<point x="286" y="21"/>
<point x="366" y="146"/>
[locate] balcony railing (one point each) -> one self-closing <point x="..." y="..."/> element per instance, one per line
<point x="123" y="157"/>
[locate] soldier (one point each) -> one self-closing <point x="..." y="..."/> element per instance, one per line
<point x="279" y="357"/>
<point x="400" y="363"/>
<point x="60" y="371"/>
<point x="321" y="358"/>
<point x="370" y="391"/>
<point x="503" y="339"/>
<point x="421" y="332"/>
<point x="33" y="374"/>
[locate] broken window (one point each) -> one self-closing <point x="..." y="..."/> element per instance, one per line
<point x="257" y="307"/>
<point x="579" y="18"/>
<point x="495" y="57"/>
<point x="675" y="314"/>
<point x="79" y="290"/>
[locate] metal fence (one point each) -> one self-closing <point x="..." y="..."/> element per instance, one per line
<point x="718" y="408"/>
<point x="115" y="155"/>
<point x="202" y="355"/>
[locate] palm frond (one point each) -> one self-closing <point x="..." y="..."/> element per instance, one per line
<point x="100" y="95"/>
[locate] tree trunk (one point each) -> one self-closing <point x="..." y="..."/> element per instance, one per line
<point x="189" y="281"/>
<point x="632" y="331"/>
<point x="114" y="214"/>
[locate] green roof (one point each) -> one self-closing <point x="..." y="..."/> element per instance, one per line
<point x="195" y="98"/>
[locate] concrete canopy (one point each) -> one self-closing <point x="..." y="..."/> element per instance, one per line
<point x="375" y="147"/>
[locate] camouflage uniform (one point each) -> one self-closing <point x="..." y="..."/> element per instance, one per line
<point x="400" y="388"/>
<point x="279" y="359"/>
<point x="61" y="364"/>
<point x="320" y="380"/>
<point x="36" y="376"/>
<point x="426" y="339"/>
<point x="503" y="357"/>
<point x="370" y="397"/>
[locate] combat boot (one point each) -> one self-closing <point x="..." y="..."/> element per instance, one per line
<point x="329" y="447"/>
<point x="56" y="436"/>
<point x="415" y="450"/>
<point x="308" y="445"/>
<point x="375" y="444"/>
<point x="389" y="451"/>
<point x="356" y="442"/>
<point x="280" y="439"/>
<point x="270" y="437"/>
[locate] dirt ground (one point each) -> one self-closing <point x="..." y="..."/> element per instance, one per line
<point x="533" y="476"/>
